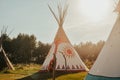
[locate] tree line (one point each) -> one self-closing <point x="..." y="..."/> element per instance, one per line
<point x="89" y="51"/>
<point x="26" y="49"/>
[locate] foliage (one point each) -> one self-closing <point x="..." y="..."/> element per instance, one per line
<point x="25" y="49"/>
<point x="22" y="48"/>
<point x="89" y="51"/>
<point x="40" y="52"/>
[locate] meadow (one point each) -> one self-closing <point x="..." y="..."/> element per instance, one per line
<point x="31" y="72"/>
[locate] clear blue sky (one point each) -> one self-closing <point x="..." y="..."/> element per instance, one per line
<point x="34" y="17"/>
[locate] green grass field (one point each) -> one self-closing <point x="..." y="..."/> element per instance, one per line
<point x="75" y="76"/>
<point x="30" y="72"/>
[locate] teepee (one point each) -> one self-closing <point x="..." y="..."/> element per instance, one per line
<point x="62" y="54"/>
<point x="107" y="65"/>
<point x="3" y="57"/>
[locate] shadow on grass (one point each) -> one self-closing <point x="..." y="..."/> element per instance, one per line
<point x="43" y="75"/>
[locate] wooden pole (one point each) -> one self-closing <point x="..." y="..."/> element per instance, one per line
<point x="54" y="66"/>
<point x="9" y="64"/>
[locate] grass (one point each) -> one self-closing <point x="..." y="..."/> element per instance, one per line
<point x="21" y="70"/>
<point x="30" y="72"/>
<point x="74" y="76"/>
<point x="77" y="76"/>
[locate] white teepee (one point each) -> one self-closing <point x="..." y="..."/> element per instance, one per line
<point x="107" y="65"/>
<point x="62" y="54"/>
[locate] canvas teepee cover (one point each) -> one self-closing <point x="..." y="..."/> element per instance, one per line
<point x="107" y="65"/>
<point x="67" y="59"/>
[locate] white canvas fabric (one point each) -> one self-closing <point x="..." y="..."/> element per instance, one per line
<point x="107" y="63"/>
<point x="64" y="48"/>
<point x="73" y="60"/>
<point x="62" y="51"/>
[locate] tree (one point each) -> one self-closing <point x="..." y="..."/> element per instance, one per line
<point x="41" y="52"/>
<point x="23" y="47"/>
<point x="89" y="51"/>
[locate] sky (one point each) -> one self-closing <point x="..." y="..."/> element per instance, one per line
<point x="86" y="20"/>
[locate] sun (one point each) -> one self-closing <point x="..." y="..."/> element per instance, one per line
<point x="95" y="10"/>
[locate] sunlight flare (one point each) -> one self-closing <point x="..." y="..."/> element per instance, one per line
<point x="95" y="10"/>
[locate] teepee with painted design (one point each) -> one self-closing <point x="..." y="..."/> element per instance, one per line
<point x="107" y="65"/>
<point x="62" y="54"/>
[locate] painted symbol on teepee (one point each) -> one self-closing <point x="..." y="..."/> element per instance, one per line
<point x="68" y="51"/>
